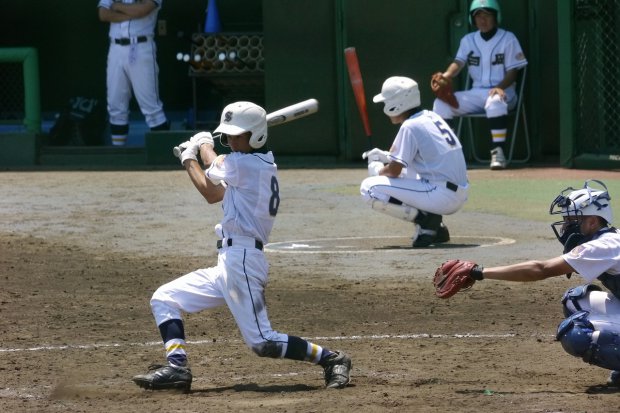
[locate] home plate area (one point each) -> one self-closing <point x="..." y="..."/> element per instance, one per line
<point x="378" y="243"/>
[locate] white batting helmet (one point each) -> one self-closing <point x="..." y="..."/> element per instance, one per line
<point x="399" y="94"/>
<point x="241" y="117"/>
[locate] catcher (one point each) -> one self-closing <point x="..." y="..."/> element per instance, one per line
<point x="591" y="330"/>
<point x="493" y="57"/>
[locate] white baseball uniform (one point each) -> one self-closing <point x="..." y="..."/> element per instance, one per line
<point x="487" y="63"/>
<point x="590" y="260"/>
<point x="132" y="68"/>
<point x="434" y="177"/>
<point x="250" y="204"/>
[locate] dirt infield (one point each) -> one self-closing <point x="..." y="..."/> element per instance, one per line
<point x="82" y="252"/>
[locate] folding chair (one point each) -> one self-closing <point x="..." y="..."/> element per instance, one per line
<point x="519" y="110"/>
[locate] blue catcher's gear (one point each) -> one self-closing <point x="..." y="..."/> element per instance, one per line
<point x="595" y="340"/>
<point x="570" y="300"/>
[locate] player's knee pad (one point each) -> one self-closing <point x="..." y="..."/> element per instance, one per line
<point x="271" y="349"/>
<point x="495" y="107"/>
<point x="596" y="341"/>
<point x="574" y="298"/>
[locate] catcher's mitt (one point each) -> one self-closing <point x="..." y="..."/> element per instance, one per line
<point x="442" y="88"/>
<point x="455" y="275"/>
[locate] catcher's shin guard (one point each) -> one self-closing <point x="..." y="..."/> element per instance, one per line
<point x="595" y="339"/>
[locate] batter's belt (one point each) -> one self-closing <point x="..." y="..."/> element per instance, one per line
<point x="126" y="41"/>
<point x="246" y="242"/>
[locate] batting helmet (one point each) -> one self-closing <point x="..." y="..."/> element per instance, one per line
<point x="490" y="5"/>
<point x="241" y="117"/>
<point x="399" y="94"/>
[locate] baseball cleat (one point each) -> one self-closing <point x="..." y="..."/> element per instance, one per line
<point x="424" y="240"/>
<point x="336" y="369"/>
<point x="614" y="378"/>
<point x="443" y="235"/>
<point x="498" y="160"/>
<point x="165" y="377"/>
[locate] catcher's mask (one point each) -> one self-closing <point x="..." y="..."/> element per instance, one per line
<point x="241" y="117"/>
<point x="398" y="94"/>
<point x="573" y="205"/>
<point x="489" y="5"/>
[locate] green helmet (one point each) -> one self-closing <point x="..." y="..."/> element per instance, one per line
<point x="485" y="4"/>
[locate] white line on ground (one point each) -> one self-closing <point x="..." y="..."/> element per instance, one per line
<point x="325" y="245"/>
<point x="337" y="338"/>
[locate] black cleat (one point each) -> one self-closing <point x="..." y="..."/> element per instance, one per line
<point x="165" y="377"/>
<point x="336" y="369"/>
<point x="443" y="235"/>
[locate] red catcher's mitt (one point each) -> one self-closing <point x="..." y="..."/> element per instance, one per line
<point x="442" y="88"/>
<point x="453" y="276"/>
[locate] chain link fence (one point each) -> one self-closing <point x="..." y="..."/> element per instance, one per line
<point x="597" y="67"/>
<point x="12" y="99"/>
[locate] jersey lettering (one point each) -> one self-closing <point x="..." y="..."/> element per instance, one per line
<point x="274" y="201"/>
<point x="499" y="59"/>
<point x="473" y="60"/>
<point x="446" y="133"/>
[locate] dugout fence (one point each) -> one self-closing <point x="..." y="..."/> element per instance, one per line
<point x="589" y="39"/>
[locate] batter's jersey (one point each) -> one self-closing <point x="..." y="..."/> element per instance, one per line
<point x="428" y="148"/>
<point x="252" y="194"/>
<point x="489" y="60"/>
<point x="144" y="26"/>
<point x="595" y="257"/>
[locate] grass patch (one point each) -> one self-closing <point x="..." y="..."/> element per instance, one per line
<point x="523" y="198"/>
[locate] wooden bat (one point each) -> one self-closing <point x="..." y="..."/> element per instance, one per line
<point x="355" y="76"/>
<point x="281" y="116"/>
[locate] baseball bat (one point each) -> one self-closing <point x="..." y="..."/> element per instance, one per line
<point x="357" y="83"/>
<point x="281" y="116"/>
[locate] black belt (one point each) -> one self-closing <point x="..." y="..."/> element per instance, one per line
<point x="126" y="41"/>
<point x="229" y="242"/>
<point x="452" y="187"/>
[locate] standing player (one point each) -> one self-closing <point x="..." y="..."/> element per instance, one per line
<point x="493" y="57"/>
<point x="423" y="176"/>
<point x="246" y="181"/>
<point x="591" y="330"/>
<point x="132" y="64"/>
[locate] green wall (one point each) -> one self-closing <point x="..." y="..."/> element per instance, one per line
<point x="304" y="42"/>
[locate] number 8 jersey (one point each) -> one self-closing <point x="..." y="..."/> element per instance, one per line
<point x="252" y="194"/>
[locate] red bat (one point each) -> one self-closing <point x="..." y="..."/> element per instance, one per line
<point x="358" y="87"/>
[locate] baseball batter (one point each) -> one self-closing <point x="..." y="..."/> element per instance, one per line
<point x="132" y="65"/>
<point x="423" y="176"/>
<point x="246" y="181"/>
<point x="591" y="330"/>
<point x="493" y="57"/>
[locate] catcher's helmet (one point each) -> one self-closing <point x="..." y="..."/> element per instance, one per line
<point x="491" y="5"/>
<point x="241" y="117"/>
<point x="399" y="94"/>
<point x="575" y="203"/>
